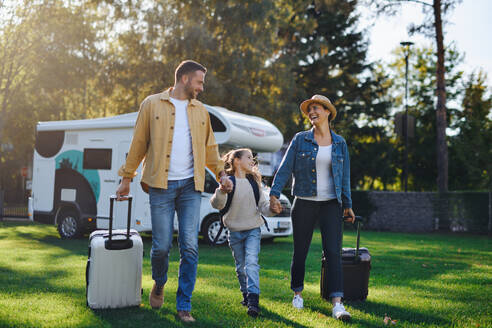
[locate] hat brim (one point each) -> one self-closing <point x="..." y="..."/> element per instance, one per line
<point x="305" y="104"/>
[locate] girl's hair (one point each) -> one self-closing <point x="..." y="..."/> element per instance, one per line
<point x="236" y="154"/>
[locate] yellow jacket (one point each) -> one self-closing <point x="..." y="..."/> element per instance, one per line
<point x="153" y="138"/>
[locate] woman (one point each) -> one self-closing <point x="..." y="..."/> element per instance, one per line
<point x="318" y="159"/>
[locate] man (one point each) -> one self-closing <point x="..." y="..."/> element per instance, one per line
<point x="174" y="134"/>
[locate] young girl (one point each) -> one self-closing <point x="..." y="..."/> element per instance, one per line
<point x="243" y="219"/>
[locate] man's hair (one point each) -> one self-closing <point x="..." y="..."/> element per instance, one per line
<point x="187" y="67"/>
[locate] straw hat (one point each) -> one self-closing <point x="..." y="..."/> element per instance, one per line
<point x="320" y="100"/>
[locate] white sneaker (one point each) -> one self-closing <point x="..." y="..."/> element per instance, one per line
<point x="340" y="313"/>
<point x="298" y="302"/>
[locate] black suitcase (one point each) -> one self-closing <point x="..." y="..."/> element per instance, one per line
<point x="356" y="265"/>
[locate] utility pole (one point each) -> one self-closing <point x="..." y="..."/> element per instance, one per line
<point x="406" y="49"/>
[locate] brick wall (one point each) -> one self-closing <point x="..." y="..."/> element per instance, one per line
<point x="402" y="212"/>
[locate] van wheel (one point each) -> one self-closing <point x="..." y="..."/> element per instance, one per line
<point x="210" y="229"/>
<point x="69" y="225"/>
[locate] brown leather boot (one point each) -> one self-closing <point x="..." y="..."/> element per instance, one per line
<point x="156" y="297"/>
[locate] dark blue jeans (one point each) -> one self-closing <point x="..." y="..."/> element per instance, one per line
<point x="305" y="213"/>
<point x="180" y="196"/>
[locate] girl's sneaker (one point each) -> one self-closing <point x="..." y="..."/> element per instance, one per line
<point x="298" y="302"/>
<point x="340" y="313"/>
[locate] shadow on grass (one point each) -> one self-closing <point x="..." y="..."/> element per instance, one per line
<point x="146" y="317"/>
<point x="276" y="318"/>
<point x="21" y="282"/>
<point x="212" y="308"/>
<point x="380" y="310"/>
<point x="460" y="294"/>
<point x="25" y="285"/>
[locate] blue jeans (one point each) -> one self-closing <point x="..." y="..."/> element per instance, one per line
<point x="180" y="196"/>
<point x="245" y="246"/>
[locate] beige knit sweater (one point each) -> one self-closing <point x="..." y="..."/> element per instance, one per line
<point x="243" y="213"/>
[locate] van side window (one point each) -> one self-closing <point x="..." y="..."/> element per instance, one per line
<point x="97" y="158"/>
<point x="210" y="183"/>
<point x="217" y="125"/>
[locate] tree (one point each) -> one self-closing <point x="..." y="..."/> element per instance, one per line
<point x="422" y="74"/>
<point x="433" y="27"/>
<point x="48" y="58"/>
<point x="103" y="57"/>
<point x="235" y="40"/>
<point x="471" y="153"/>
<point x="18" y="47"/>
<point x="327" y="55"/>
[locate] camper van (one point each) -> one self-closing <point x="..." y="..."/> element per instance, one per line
<point x="76" y="162"/>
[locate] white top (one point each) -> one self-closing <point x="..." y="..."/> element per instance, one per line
<point x="181" y="164"/>
<point x="325" y="186"/>
<point x="243" y="213"/>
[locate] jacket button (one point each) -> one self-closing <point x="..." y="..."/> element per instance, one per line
<point x="314" y="170"/>
<point x="172" y="113"/>
<point x="314" y="181"/>
<point x="167" y="156"/>
<point x="172" y="127"/>
<point x="312" y="158"/>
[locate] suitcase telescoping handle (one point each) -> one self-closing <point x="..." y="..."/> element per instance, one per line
<point x="358" y="221"/>
<point x="112" y="198"/>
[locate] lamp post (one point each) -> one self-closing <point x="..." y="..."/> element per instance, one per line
<point x="406" y="48"/>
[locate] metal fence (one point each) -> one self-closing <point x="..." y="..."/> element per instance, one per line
<point x="464" y="211"/>
<point x="12" y="205"/>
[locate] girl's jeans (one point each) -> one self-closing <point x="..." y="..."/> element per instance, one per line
<point x="245" y="246"/>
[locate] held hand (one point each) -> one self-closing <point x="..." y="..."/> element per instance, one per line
<point x="350" y="213"/>
<point x="226" y="184"/>
<point x="275" y="205"/>
<point x="123" y="189"/>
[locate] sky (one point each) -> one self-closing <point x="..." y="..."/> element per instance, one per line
<point x="469" y="27"/>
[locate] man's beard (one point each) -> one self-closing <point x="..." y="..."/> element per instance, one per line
<point x="190" y="94"/>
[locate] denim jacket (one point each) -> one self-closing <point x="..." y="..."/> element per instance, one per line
<point x="300" y="161"/>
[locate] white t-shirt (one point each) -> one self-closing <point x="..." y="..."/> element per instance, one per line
<point x="181" y="164"/>
<point x="325" y="186"/>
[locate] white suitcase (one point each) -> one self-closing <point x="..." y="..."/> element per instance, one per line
<point x="114" y="267"/>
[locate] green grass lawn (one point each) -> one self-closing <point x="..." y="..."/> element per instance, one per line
<point x="419" y="280"/>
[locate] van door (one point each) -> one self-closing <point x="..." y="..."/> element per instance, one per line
<point x="43" y="185"/>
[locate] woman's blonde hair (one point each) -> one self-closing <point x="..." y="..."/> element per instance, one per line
<point x="229" y="157"/>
